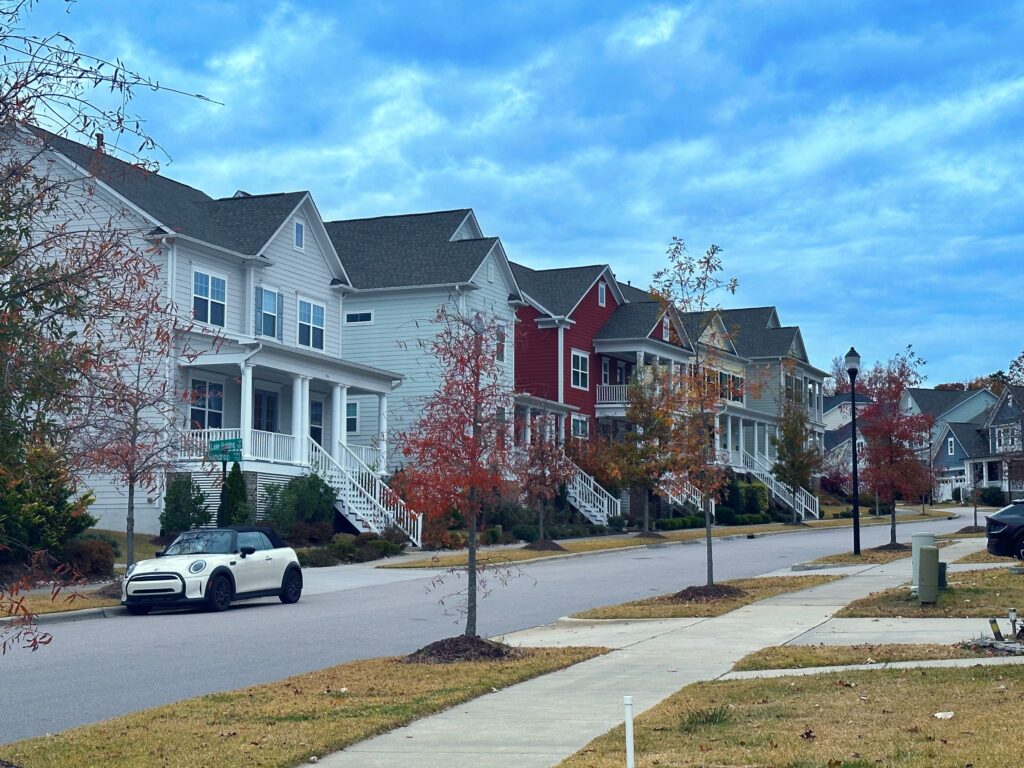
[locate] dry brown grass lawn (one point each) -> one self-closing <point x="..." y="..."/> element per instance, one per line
<point x="513" y="555"/>
<point x="971" y="594"/>
<point x="67" y="601"/>
<point x="803" y="656"/>
<point x="144" y="548"/>
<point x="664" y="607"/>
<point x="873" y="556"/>
<point x="848" y="720"/>
<point x="982" y="556"/>
<point x="285" y="723"/>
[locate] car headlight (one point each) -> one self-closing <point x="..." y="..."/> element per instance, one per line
<point x="197" y="567"/>
<point x="130" y="569"/>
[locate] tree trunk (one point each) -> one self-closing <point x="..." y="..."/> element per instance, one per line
<point x="892" y="519"/>
<point x="647" y="503"/>
<point x="130" y="524"/>
<point x="707" y="537"/>
<point x="471" y="575"/>
<point x="540" y="520"/>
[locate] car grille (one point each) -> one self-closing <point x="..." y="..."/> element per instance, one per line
<point x="152" y="585"/>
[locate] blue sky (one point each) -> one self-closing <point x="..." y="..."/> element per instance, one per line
<point x="860" y="163"/>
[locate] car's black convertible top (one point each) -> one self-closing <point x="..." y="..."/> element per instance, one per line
<point x="270" y="533"/>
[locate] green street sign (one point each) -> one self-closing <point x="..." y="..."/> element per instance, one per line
<point x="225" y="450"/>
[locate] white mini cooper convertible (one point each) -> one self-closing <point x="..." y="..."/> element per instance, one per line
<point x="210" y="568"/>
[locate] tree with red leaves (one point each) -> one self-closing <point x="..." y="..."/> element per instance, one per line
<point x="543" y="469"/>
<point x="459" y="452"/>
<point x="688" y="285"/>
<point x="894" y="438"/>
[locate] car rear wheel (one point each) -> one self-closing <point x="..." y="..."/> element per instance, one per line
<point x="138" y="610"/>
<point x="291" y="587"/>
<point x="219" y="596"/>
<point x="1020" y="548"/>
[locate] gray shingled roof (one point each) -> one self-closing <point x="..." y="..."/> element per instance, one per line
<point x="970" y="438"/>
<point x="752" y="335"/>
<point x="936" y="402"/>
<point x="403" y="251"/>
<point x="831" y="401"/>
<point x="632" y="293"/>
<point x="631" y="321"/>
<point x="242" y="224"/>
<point x="836" y="437"/>
<point x="557" y="290"/>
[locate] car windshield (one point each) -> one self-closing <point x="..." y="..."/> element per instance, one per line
<point x="201" y="543"/>
<point x="1015" y="509"/>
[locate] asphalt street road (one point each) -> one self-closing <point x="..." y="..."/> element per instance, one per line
<point x="101" y="668"/>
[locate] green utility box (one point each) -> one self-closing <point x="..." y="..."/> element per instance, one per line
<point x="928" y="584"/>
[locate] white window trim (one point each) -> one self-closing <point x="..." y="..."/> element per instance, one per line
<point x="606" y="371"/>
<point x="192" y="290"/>
<point x="358" y="417"/>
<point x="504" y="347"/>
<point x="298" y="300"/>
<point x="295" y="228"/>
<point x="666" y="328"/>
<point x="370" y="312"/>
<point x="263" y="311"/>
<point x="572" y="368"/>
<point x="602" y="294"/>
<point x="208" y="380"/>
<point x="950" y="447"/>
<point x="577" y="419"/>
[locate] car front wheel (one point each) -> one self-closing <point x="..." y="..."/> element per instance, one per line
<point x="291" y="587"/>
<point x="219" y="596"/>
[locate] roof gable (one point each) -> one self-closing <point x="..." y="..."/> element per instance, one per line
<point x="557" y="292"/>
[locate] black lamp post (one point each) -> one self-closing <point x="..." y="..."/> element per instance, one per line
<point x="852" y="367"/>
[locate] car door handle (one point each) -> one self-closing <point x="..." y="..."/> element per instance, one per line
<point x="268" y="559"/>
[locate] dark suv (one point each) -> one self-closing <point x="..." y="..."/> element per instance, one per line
<point x="1005" y="531"/>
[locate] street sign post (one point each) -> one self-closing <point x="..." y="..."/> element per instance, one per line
<point x="224" y="451"/>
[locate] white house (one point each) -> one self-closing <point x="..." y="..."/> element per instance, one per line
<point x="261" y="273"/>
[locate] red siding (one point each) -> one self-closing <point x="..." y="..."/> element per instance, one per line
<point x="536" y="356"/>
<point x="589" y="317"/>
<point x="673" y="336"/>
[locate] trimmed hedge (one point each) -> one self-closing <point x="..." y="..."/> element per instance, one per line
<point x="679" y="523"/>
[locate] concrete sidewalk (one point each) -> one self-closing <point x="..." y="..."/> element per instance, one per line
<point x="540" y="722"/>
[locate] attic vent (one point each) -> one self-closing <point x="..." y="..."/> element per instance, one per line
<point x="241" y="193"/>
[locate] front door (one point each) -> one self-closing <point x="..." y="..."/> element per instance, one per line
<point x="264" y="410"/>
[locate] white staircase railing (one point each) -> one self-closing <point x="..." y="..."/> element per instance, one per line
<point x="683" y="492"/>
<point x="365" y="497"/>
<point x="806" y="504"/>
<point x="592" y="501"/>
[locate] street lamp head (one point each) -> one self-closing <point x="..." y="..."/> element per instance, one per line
<point x="852" y="363"/>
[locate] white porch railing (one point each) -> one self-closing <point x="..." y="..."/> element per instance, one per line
<point x="368" y="454"/>
<point x="365" y="497"/>
<point x="683" y="492"/>
<point x="195" y="443"/>
<point x="592" y="501"/>
<point x="271" y="446"/>
<point x="806" y="504"/>
<point x="611" y="394"/>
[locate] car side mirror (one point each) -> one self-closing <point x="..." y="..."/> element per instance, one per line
<point x="158" y="553"/>
<point x="248" y="551"/>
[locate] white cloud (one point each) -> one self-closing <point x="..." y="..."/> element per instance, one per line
<point x="649" y="29"/>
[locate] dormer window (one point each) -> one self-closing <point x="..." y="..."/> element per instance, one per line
<point x="300" y="235"/>
<point x="602" y="294"/>
<point x="950" y="447"/>
<point x="666" y="329"/>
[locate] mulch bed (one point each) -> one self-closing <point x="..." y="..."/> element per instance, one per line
<point x="545" y="545"/>
<point x="5" y="764"/>
<point x="462" y="648"/>
<point x="972" y="529"/>
<point x="890" y="547"/>
<point x="707" y="594"/>
<point x="649" y="535"/>
<point x="111" y="590"/>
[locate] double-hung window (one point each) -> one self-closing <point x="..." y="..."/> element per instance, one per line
<point x="207" y="410"/>
<point x="666" y="329"/>
<point x="300" y="235"/>
<point x="605" y="370"/>
<point x="580" y="427"/>
<point x="311" y="324"/>
<point x="580" y="370"/>
<point x="209" y="298"/>
<point x="269" y="312"/>
<point x="950" y="446"/>
<point x="352" y="418"/>
<point x="501" y="333"/>
<point x="602" y="294"/>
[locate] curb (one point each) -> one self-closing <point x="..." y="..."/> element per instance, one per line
<point x="825" y="566"/>
<point x="63" y="617"/>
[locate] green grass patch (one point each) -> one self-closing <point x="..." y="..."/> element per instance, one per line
<point x="805" y="656"/>
<point x="971" y="594"/>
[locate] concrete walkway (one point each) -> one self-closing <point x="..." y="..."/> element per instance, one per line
<point x="540" y="722"/>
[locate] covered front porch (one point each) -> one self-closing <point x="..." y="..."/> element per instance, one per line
<point x="273" y="400"/>
<point x="537" y="418"/>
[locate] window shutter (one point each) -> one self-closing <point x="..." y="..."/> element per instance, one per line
<point x="258" y="320"/>
<point x="280" y="317"/>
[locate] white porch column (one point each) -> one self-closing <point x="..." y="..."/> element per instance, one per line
<point x="528" y="427"/>
<point x="767" y="442"/>
<point x="561" y="428"/>
<point x="718" y="436"/>
<point x="303" y="436"/>
<point x="297" y="418"/>
<point x="728" y="436"/>
<point x="245" y="411"/>
<point x="339" y="406"/>
<point x="742" y="446"/>
<point x="382" y="432"/>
